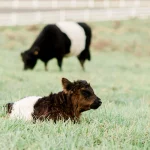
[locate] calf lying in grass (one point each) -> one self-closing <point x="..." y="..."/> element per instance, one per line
<point x="75" y="98"/>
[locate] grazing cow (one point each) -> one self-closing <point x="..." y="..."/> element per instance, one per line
<point x="75" y="98"/>
<point x="59" y="40"/>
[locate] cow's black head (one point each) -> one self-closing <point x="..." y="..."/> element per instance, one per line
<point x="29" y="58"/>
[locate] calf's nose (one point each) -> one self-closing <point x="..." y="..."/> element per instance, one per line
<point x="96" y="103"/>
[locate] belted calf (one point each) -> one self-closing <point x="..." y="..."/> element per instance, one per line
<point x="75" y="98"/>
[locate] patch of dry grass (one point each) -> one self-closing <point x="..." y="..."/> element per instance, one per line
<point x="132" y="36"/>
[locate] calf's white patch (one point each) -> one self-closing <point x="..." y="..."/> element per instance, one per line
<point x="23" y="108"/>
<point x="76" y="34"/>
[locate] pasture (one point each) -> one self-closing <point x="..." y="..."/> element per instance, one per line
<point x="119" y="72"/>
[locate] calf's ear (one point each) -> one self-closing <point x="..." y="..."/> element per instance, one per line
<point x="66" y="85"/>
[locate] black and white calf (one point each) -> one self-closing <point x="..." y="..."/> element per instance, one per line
<point x="75" y="98"/>
<point x="58" y="41"/>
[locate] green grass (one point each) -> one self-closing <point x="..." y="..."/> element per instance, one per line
<point x="120" y="77"/>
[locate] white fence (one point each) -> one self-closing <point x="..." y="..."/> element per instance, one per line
<point x="25" y="12"/>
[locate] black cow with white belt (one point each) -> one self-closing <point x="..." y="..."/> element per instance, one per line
<point x="59" y="40"/>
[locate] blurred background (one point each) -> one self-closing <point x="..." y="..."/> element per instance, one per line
<point x="25" y="12"/>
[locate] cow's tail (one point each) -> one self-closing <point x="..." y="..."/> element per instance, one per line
<point x="85" y="54"/>
<point x="88" y="55"/>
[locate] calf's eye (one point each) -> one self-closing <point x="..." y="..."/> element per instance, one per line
<point x="86" y="93"/>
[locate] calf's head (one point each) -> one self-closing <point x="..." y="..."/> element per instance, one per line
<point x="82" y="95"/>
<point x="29" y="58"/>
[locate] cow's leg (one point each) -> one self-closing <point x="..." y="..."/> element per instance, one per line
<point x="82" y="63"/>
<point x="59" y="61"/>
<point x="85" y="54"/>
<point x="46" y="69"/>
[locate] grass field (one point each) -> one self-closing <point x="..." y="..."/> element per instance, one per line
<point x="119" y="73"/>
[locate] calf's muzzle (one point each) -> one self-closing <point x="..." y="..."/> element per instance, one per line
<point x="96" y="103"/>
